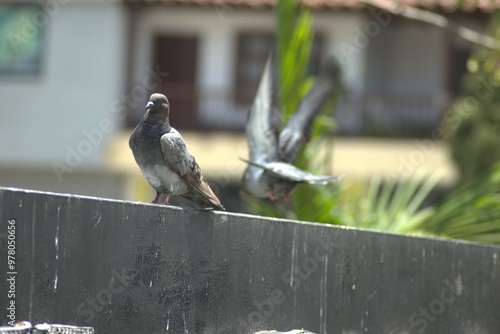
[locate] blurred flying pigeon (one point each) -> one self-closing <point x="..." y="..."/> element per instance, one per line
<point x="269" y="172"/>
<point x="164" y="160"/>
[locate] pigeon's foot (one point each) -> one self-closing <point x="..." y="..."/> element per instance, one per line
<point x="287" y="196"/>
<point x="272" y="194"/>
<point x="167" y="200"/>
<point x="155" y="201"/>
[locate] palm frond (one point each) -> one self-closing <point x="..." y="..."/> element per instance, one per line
<point x="471" y="212"/>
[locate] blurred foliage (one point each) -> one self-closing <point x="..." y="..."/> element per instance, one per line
<point x="473" y="121"/>
<point x="293" y="48"/>
<point x="389" y="205"/>
<point x="470" y="212"/>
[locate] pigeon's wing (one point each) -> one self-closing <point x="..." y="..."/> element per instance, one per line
<point x="297" y="131"/>
<point x="290" y="173"/>
<point x="261" y="137"/>
<point x="178" y="158"/>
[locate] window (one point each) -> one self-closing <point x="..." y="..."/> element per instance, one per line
<point x="459" y="54"/>
<point x="253" y="49"/>
<point x="21" y="39"/>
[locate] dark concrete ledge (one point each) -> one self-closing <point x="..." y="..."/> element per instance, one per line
<point x="125" y="267"/>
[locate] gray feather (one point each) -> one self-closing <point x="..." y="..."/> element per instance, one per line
<point x="261" y="137"/>
<point x="175" y="152"/>
<point x="289" y="173"/>
<point x="297" y="131"/>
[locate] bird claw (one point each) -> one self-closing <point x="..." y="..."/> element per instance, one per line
<point x="272" y="194"/>
<point x="155" y="201"/>
<point x="167" y="201"/>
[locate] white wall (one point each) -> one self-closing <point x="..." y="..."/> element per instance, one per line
<point x="341" y="31"/>
<point x="218" y="29"/>
<point x="83" y="72"/>
<point x="86" y="51"/>
<point x="407" y="57"/>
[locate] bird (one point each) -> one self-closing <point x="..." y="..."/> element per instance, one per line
<point x="270" y="173"/>
<point x="164" y="159"/>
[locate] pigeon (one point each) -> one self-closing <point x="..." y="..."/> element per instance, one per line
<point x="164" y="159"/>
<point x="270" y="173"/>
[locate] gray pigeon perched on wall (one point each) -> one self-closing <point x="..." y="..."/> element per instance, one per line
<point x="164" y="160"/>
<point x="269" y="173"/>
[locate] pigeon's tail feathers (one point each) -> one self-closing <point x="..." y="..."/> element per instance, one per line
<point x="205" y="202"/>
<point x="204" y="195"/>
<point x="292" y="174"/>
<point x="216" y="204"/>
<point x="324" y="179"/>
<point x="254" y="163"/>
<point x="178" y="158"/>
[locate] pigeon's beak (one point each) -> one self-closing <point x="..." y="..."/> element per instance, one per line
<point x="149" y="105"/>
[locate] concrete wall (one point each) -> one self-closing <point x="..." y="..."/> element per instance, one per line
<point x="89" y="182"/>
<point x="126" y="267"/>
<point x="83" y="74"/>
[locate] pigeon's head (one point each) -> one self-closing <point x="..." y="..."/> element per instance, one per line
<point x="158" y="104"/>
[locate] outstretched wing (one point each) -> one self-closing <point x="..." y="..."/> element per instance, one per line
<point x="178" y="158"/>
<point x="297" y="131"/>
<point x="261" y="137"/>
<point x="290" y="173"/>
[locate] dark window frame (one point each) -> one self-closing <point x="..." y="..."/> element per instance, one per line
<point x="245" y="87"/>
